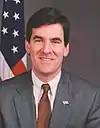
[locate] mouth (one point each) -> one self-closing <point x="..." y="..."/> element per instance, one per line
<point x="45" y="58"/>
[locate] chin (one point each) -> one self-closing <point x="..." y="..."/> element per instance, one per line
<point x="48" y="71"/>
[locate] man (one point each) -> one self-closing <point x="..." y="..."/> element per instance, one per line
<point x="74" y="103"/>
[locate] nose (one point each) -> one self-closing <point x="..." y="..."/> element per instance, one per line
<point x="47" y="47"/>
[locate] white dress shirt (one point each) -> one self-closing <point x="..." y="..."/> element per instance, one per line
<point x="37" y="91"/>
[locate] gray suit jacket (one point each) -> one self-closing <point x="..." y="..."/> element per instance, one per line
<point x="77" y="103"/>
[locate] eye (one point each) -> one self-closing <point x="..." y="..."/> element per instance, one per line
<point x="56" y="41"/>
<point x="37" y="40"/>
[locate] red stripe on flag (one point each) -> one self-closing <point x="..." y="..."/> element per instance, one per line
<point x="19" y="68"/>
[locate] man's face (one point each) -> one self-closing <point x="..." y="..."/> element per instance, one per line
<point x="46" y="49"/>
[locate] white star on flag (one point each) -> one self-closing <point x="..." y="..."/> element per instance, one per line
<point x="14" y="49"/>
<point x="5" y="14"/>
<point x="17" y="1"/>
<point x="15" y="33"/>
<point x="12" y="61"/>
<point x="16" y="16"/>
<point x="4" y="30"/>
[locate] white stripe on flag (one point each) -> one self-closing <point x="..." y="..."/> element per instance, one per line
<point x="5" y="71"/>
<point x="24" y="59"/>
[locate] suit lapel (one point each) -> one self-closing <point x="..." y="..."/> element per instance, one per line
<point x="61" y="111"/>
<point x="25" y="104"/>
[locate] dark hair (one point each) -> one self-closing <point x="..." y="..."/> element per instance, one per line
<point x="47" y="16"/>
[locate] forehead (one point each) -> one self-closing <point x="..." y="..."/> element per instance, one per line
<point x="53" y="30"/>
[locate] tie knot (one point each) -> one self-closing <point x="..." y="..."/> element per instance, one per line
<point x="45" y="87"/>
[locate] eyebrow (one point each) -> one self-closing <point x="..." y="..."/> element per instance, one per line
<point x="39" y="37"/>
<point x="56" y="38"/>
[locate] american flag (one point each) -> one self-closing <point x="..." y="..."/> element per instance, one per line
<point x="12" y="50"/>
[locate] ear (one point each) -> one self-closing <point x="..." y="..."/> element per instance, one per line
<point x="66" y="50"/>
<point x="27" y="46"/>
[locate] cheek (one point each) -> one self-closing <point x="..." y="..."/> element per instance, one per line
<point x="34" y="52"/>
<point x="35" y="47"/>
<point x="60" y="52"/>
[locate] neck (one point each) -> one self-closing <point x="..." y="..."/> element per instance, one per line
<point x="46" y="77"/>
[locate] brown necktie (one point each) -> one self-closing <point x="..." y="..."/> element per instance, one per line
<point x="44" y="108"/>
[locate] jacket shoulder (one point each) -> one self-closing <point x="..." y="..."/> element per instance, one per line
<point x="10" y="85"/>
<point x="78" y="83"/>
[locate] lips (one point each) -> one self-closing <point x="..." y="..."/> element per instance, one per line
<point x="45" y="58"/>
